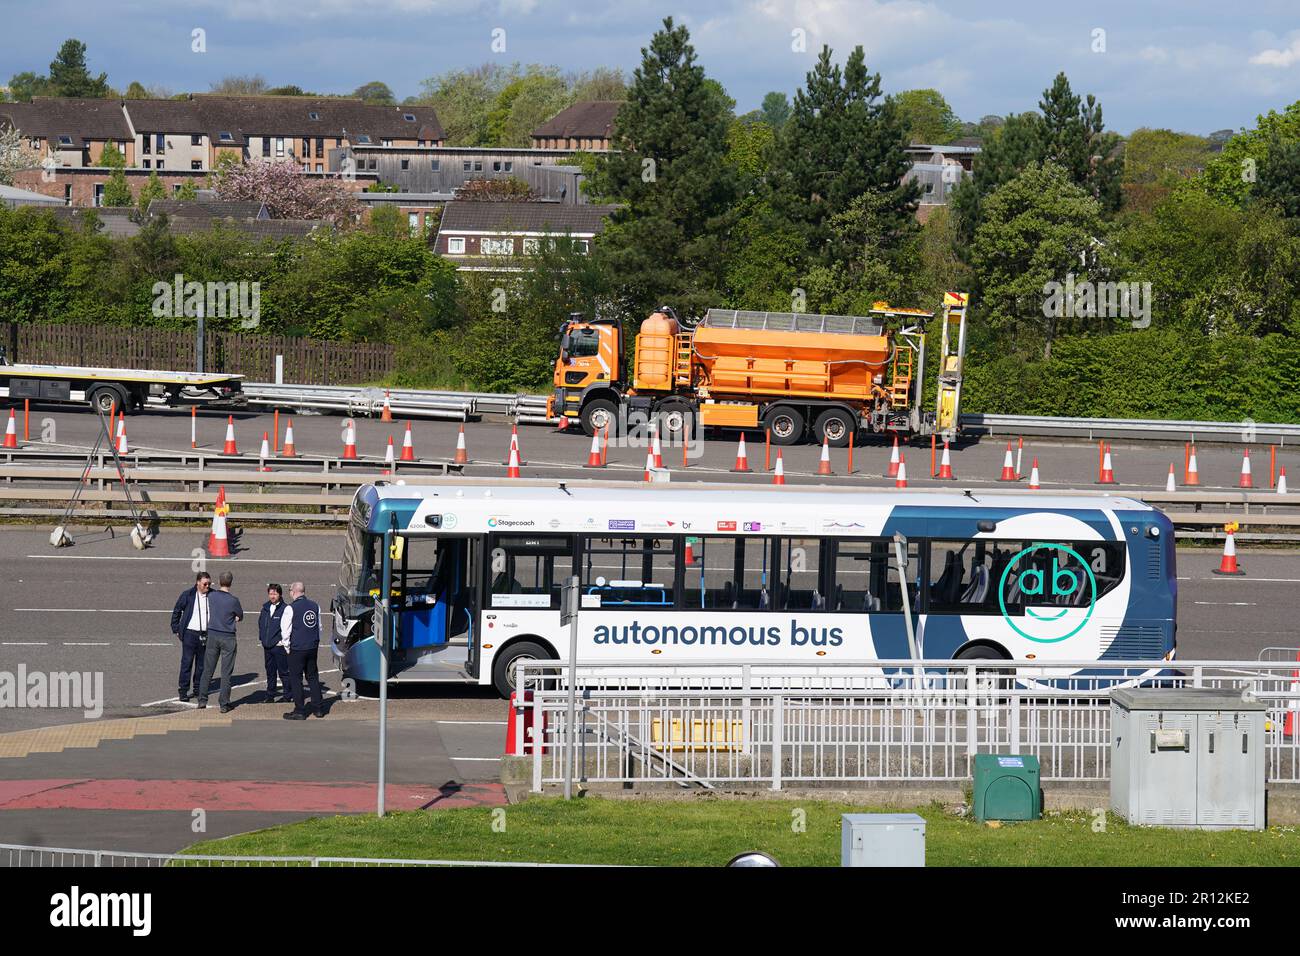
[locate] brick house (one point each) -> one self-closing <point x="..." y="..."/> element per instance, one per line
<point x="587" y="125"/>
<point x="485" y="236"/>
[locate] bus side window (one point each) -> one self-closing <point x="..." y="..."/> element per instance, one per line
<point x="800" y="562"/>
<point x="728" y="574"/>
<point x="864" y="579"/>
<point x="527" y="572"/>
<point x="632" y="573"/>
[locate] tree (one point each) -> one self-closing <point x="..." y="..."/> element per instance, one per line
<point x="525" y="103"/>
<point x="928" y="117"/>
<point x="69" y="75"/>
<point x="15" y="154"/>
<point x="151" y="190"/>
<point x="463" y="99"/>
<point x="1037" y="228"/>
<point x="1155" y="160"/>
<point x="1279" y="178"/>
<point x="23" y="86"/>
<point x="375" y="92"/>
<point x="669" y="173"/>
<point x="188" y="192"/>
<point x="775" y="109"/>
<point x="240" y="85"/>
<point x="842" y="140"/>
<point x="602" y="83"/>
<point x="1231" y="176"/>
<point x="287" y="193"/>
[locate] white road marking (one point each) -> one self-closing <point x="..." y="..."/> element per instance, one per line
<point x="187" y="559"/>
<point x="23" y="643"/>
<point x="484" y="723"/>
<point x="1228" y="603"/>
<point x="233" y="687"/>
<point x="156" y="644"/>
<point x="85" y="644"/>
<point x="1249" y="580"/>
<point x="487" y="759"/>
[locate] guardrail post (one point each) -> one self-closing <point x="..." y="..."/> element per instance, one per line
<point x="98" y="858"/>
<point x="972" y="720"/>
<point x="746" y="716"/>
<point x="778" y="732"/>
<point x="1198" y="676"/>
<point x="538" y="737"/>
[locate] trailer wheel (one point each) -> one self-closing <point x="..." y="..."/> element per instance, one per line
<point x="786" y="423"/>
<point x="107" y="397"/>
<point x="599" y="413"/>
<point x="835" y="425"/>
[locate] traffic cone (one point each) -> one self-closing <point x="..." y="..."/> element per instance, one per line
<point x="229" y="448"/>
<point x="945" y="465"/>
<point x="593" y="456"/>
<point x="462" y="454"/>
<point x="218" y="542"/>
<point x="121" y="436"/>
<point x="1008" y="469"/>
<point x="742" y="457"/>
<point x="778" y="476"/>
<point x="350" y="440"/>
<point x="900" y="480"/>
<point x="1193" y="477"/>
<point x="1281" y="482"/>
<point x="1229" y="563"/>
<point x="689" y="556"/>
<point x="824" y="466"/>
<point x="288" y="451"/>
<point x="1033" y="476"/>
<point x="1107" y="471"/>
<point x="512" y="467"/>
<point x="1246" y="480"/>
<point x="649" y="463"/>
<point x="388" y="457"/>
<point x="387" y="414"/>
<point x="408" y="449"/>
<point x="11" y="432"/>
<point x="656" y="448"/>
<point x="265" y="453"/>
<point x="1288" y="726"/>
<point x="514" y="446"/>
<point x="1169" y="482"/>
<point x="892" y="471"/>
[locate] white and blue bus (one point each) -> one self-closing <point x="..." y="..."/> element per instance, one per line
<point x="714" y="573"/>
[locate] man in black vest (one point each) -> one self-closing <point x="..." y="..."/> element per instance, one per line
<point x="274" y="656"/>
<point x="300" y="636"/>
<point x="190" y="618"/>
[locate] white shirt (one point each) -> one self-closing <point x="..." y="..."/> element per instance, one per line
<point x="200" y="616"/>
<point x="286" y="625"/>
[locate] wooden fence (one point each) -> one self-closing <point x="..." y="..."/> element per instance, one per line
<point x="306" y="361"/>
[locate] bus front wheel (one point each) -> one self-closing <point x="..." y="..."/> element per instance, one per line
<point x="503" y="668"/>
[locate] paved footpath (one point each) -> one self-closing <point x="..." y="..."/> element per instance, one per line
<point x="139" y="783"/>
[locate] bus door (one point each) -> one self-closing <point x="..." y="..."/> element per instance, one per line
<point x="432" y="585"/>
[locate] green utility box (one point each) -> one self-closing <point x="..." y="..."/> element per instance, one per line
<point x="1007" y="787"/>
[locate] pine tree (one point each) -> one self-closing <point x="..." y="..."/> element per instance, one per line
<point x="69" y="75"/>
<point x="151" y="190"/>
<point x="116" y="191"/>
<point x="671" y="174"/>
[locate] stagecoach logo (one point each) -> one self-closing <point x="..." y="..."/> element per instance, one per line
<point x="1043" y="584"/>
<point x="510" y="523"/>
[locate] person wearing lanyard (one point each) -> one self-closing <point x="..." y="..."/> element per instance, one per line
<point x="274" y="656"/>
<point x="190" y="619"/>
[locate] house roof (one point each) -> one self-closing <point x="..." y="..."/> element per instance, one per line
<point x="590" y="118"/>
<point x="518" y="217"/>
<point x="81" y="118"/>
<point x="13" y="196"/>
<point x="208" y="209"/>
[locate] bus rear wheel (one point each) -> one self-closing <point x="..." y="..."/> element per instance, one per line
<point x="503" y="668"/>
<point x="988" y="680"/>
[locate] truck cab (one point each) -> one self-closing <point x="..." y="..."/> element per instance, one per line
<point x="588" y="379"/>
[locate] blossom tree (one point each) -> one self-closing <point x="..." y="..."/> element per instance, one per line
<point x="286" y="191"/>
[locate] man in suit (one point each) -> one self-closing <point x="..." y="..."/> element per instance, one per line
<point x="300" y="636"/>
<point x="274" y="656"/>
<point x="190" y="618"/>
<point x="226" y="613"/>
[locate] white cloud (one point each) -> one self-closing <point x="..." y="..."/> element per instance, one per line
<point x="1281" y="58"/>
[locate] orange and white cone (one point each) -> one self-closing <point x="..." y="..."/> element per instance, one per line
<point x="388" y="457"/>
<point x="288" y="451"/>
<point x="824" y="465"/>
<point x="1228" y="565"/>
<point x="11" y="432"/>
<point x="512" y="467"/>
<point x="656" y="448"/>
<point x="218" y="541"/>
<point x="689" y="556"/>
<point x="593" y="456"/>
<point x="900" y="480"/>
<point x="1246" y="480"/>
<point x="1281" y="481"/>
<point x="1033" y="476"/>
<point x="1169" y="482"/>
<point x="387" y="414"/>
<point x="1288" y="725"/>
<point x="892" y="471"/>
<point x="121" y="436"/>
<point x="778" y="476"/>
<point x="1193" y="477"/>
<point x="229" y="448"/>
<point x="649" y="464"/>
<point x="1107" y="476"/>
<point x="462" y="453"/>
<point x="742" y="456"/>
<point x="945" y="465"/>
<point x="350" y="440"/>
<point x="514" y="447"/>
<point x="408" y="448"/>
<point x="265" y="453"/>
<point x="1008" y="469"/>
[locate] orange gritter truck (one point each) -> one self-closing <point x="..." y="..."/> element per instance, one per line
<point x="798" y="375"/>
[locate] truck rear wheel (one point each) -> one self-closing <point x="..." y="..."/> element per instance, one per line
<point x="835" y="425"/>
<point x="105" y="398"/>
<point x="786" y="423"/>
<point x="675" y="419"/>
<point x="599" y="413"/>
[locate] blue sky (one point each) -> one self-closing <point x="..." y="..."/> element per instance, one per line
<point x="1189" y="65"/>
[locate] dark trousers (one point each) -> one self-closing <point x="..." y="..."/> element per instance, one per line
<point x="192" y="651"/>
<point x="223" y="646"/>
<point x="303" y="663"/>
<point x="277" y="666"/>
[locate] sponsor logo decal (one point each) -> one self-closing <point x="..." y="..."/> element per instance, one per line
<point x="739" y="636"/>
<point x="622" y="524"/>
<point x="753" y="526"/>
<point x="511" y="523"/>
<point x="1044" y="584"/>
<point x="726" y="526"/>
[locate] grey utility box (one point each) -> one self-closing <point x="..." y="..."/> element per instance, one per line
<point x="882" y="839"/>
<point x="1187" y="757"/>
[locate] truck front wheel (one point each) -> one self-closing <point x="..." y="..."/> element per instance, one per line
<point x="598" y="414"/>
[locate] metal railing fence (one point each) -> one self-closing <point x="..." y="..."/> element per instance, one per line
<point x="15" y="855"/>
<point x="898" y="721"/>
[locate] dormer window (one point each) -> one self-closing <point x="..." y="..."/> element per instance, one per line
<point x="225" y="137"/>
<point x="409" y="117"/>
<point x="313" y="115"/>
<point x="363" y="138"/>
<point x="65" y="140"/>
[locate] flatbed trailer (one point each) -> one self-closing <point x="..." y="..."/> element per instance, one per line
<point x="121" y="388"/>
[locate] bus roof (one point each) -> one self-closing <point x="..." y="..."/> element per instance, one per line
<point x="469" y="506"/>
